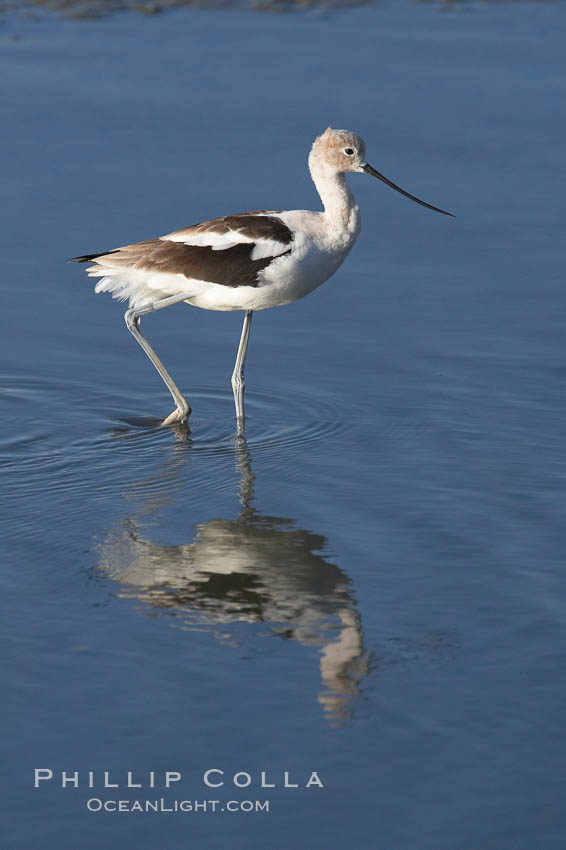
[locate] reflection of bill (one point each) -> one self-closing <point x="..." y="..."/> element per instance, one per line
<point x="254" y="569"/>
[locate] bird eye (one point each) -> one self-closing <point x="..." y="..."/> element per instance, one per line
<point x="349" y="151"/>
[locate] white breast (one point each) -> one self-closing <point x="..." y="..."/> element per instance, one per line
<point x="318" y="251"/>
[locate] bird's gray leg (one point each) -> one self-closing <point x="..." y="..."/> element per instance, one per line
<point x="238" y="383"/>
<point x="132" y="318"/>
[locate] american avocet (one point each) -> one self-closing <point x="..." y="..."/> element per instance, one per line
<point x="249" y="261"/>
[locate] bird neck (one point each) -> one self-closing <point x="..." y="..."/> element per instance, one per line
<point x="340" y="207"/>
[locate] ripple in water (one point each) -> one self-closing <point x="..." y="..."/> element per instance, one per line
<point x="64" y="433"/>
<point x="275" y="420"/>
<point x="65" y="430"/>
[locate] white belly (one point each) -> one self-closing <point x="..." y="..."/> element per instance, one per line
<point x="288" y="278"/>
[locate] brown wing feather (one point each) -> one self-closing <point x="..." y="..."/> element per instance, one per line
<point x="253" y="225"/>
<point x="230" y="266"/>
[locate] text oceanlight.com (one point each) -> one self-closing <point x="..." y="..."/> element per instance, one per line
<point x="186" y="806"/>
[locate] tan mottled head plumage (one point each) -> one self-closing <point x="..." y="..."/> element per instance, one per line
<point x="339" y="150"/>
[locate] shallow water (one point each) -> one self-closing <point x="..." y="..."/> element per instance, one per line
<point x="370" y="585"/>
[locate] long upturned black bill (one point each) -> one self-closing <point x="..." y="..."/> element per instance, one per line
<point x="369" y="170"/>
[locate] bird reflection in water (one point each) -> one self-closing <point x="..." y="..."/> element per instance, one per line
<point x="253" y="569"/>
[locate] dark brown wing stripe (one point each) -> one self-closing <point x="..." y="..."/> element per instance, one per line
<point x="229" y="267"/>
